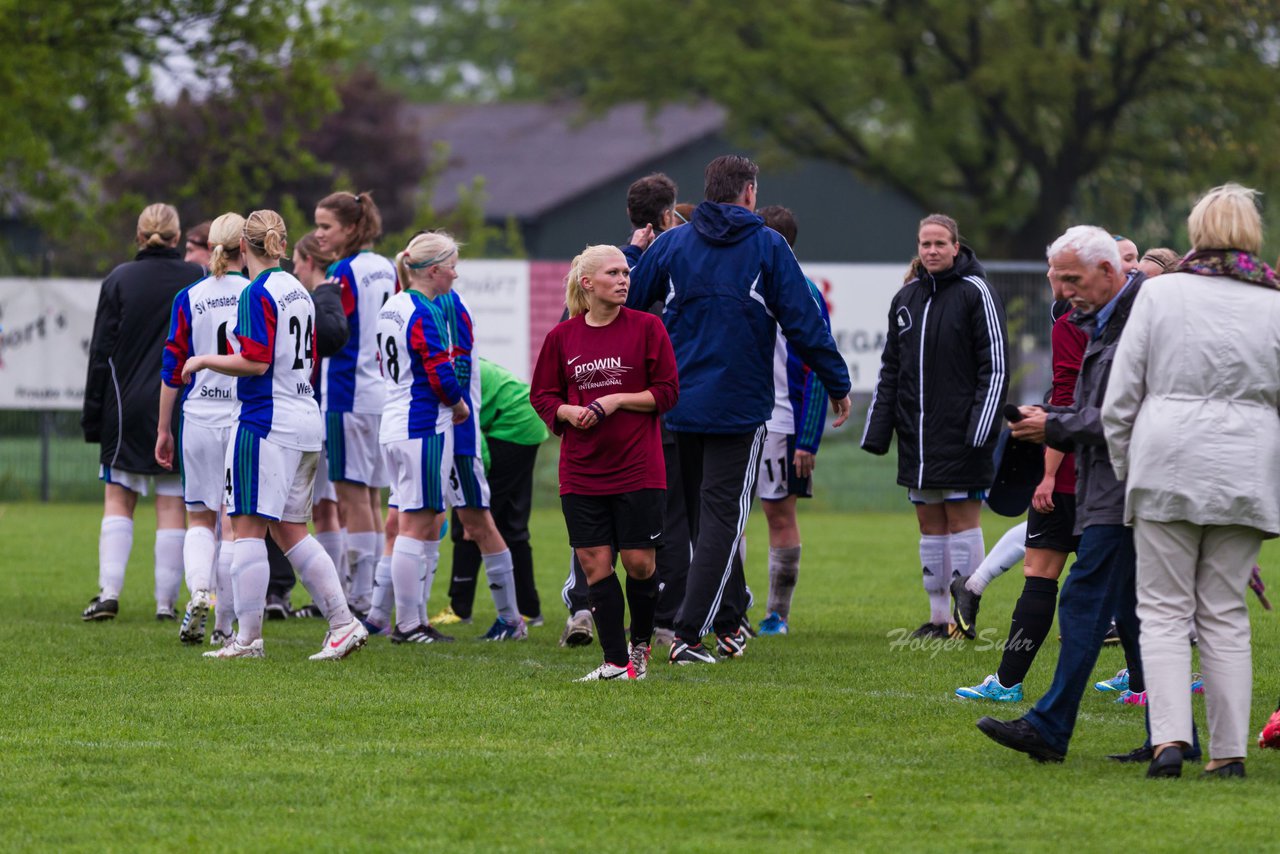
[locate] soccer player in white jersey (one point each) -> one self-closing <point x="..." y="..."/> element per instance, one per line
<point x="271" y="462"/>
<point x="200" y="323"/>
<point x="351" y="385"/>
<point x="791" y="441"/>
<point x="468" y="488"/>
<point x="424" y="401"/>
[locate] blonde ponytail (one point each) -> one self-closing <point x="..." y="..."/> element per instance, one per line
<point x="224" y="242"/>
<point x="158" y="226"/>
<point x="425" y="250"/>
<point x="587" y="263"/>
<point x="265" y="233"/>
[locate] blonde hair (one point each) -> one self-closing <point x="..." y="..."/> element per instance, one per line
<point x="426" y="249"/>
<point x="266" y="235"/>
<point x="158" y="225"/>
<point x="586" y="264"/>
<point x="1226" y="217"/>
<point x="224" y="242"/>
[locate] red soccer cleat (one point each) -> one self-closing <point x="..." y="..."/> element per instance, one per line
<point x="1270" y="735"/>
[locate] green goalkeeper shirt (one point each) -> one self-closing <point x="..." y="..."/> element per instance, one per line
<point x="505" y="411"/>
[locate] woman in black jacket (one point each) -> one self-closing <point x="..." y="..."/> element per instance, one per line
<point x="122" y="404"/>
<point x="941" y="388"/>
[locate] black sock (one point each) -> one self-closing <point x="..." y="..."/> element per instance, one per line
<point x="642" y="599"/>
<point x="1032" y="619"/>
<point x="605" y="598"/>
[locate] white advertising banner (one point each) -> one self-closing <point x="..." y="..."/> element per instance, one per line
<point x="859" y="296"/>
<point x="45" y="327"/>
<point x="497" y="292"/>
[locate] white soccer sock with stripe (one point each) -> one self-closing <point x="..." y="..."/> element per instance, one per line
<point x="224" y="614"/>
<point x="937" y="575"/>
<point x="199" y="549"/>
<point x="498" y="569"/>
<point x="363" y="554"/>
<point x="169" y="547"/>
<point x="383" y="599"/>
<point x="115" y="541"/>
<point x="316" y="572"/>
<point x="966" y="550"/>
<point x="406" y="576"/>
<point x="250" y="575"/>
<point x="430" y="560"/>
<point x="1008" y="550"/>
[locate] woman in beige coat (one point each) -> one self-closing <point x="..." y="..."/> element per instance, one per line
<point x="1191" y="421"/>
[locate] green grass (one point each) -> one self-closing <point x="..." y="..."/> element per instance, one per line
<point x="114" y="736"/>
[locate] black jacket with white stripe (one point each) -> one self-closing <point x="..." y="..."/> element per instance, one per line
<point x="943" y="379"/>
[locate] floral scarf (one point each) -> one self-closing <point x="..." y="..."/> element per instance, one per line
<point x="1233" y="263"/>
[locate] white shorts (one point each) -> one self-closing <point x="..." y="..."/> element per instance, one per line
<point x="203" y="452"/>
<point x="468" y="487"/>
<point x="355" y="455"/>
<point x="269" y="480"/>
<point x="777" y="477"/>
<point x="419" y="471"/>
<point x="165" y="484"/>
<point x="323" y="489"/>
<point x="941" y="496"/>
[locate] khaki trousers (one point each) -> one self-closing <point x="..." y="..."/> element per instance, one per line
<point x="1185" y="572"/>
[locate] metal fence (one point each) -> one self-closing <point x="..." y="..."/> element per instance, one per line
<point x="43" y="455"/>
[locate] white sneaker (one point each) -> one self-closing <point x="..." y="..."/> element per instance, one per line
<point x="193" y="621"/>
<point x="235" y="650"/>
<point x="639" y="654"/>
<point x="578" y="629"/>
<point x="342" y="641"/>
<point x="610" y="671"/>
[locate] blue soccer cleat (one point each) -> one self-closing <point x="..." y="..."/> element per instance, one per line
<point x="774" y="624"/>
<point x="501" y="630"/>
<point x="991" y="689"/>
<point x="1118" y="683"/>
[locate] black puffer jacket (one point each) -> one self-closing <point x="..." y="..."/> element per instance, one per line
<point x="943" y="379"/>
<point x="122" y="388"/>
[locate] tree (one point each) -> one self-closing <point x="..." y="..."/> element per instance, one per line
<point x="1012" y="115"/>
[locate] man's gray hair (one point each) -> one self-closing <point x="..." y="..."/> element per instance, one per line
<point x="1091" y="244"/>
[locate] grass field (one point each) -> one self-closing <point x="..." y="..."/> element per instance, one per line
<point x="116" y="737"/>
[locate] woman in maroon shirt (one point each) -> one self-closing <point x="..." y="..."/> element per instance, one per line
<point x="602" y="378"/>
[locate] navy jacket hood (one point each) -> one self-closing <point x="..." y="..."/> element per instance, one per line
<point x="725" y="224"/>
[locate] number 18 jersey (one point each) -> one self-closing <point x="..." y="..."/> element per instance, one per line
<point x="275" y="324"/>
<point x="413" y="338"/>
<point x="203" y="316"/>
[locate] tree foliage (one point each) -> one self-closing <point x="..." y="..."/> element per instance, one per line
<point x="1012" y="115"/>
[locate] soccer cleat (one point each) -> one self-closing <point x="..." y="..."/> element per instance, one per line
<point x="501" y="630"/>
<point x="964" y="608"/>
<point x="165" y="614"/>
<point x="221" y="638"/>
<point x="686" y="653"/>
<point x="732" y="645"/>
<point x="100" y="609"/>
<point x="277" y="608"/>
<point x="1111" y="638"/>
<point x="639" y="655"/>
<point x="1269" y="738"/>
<point x="578" y="630"/>
<point x="312" y="610"/>
<point x="610" y="671"/>
<point x="1197" y="684"/>
<point x="342" y="641"/>
<point x="774" y="624"/>
<point x="374" y="629"/>
<point x="1130" y="698"/>
<point x="193" y="621"/>
<point x="991" y="689"/>
<point x="438" y="636"/>
<point x="235" y="650"/>
<point x="418" y="634"/>
<point x="932" y="630"/>
<point x="746" y="628"/>
<point x="534" y="622"/>
<point x="447" y="617"/>
<point x="1119" y="682"/>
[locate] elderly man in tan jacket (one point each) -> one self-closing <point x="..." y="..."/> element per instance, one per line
<point x="1192" y="425"/>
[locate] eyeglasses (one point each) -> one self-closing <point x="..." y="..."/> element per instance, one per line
<point x="677" y="215"/>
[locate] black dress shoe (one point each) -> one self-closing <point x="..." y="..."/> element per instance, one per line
<point x="1020" y="735"/>
<point x="1167" y="764"/>
<point x="1138" y="754"/>
<point x="1231" y="769"/>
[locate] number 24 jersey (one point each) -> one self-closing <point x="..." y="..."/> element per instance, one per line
<point x="275" y="324"/>
<point x="413" y="339"/>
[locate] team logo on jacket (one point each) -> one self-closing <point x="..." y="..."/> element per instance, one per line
<point x="599" y="372"/>
<point x="903" y="319"/>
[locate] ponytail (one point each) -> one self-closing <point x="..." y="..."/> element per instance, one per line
<point x="588" y="262"/>
<point x="265" y="234"/>
<point x="224" y="240"/>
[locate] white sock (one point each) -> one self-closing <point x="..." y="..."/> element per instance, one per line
<point x="199" y="549"/>
<point x="250" y="574"/>
<point x="363" y="554"/>
<point x="224" y="614"/>
<point x="498" y="569"/>
<point x="115" y="541"/>
<point x="317" y="573"/>
<point x="383" y="598"/>
<point x="169" y="548"/>
<point x="965" y="550"/>
<point x="336" y="549"/>
<point x="1008" y="550"/>
<point x="407" y="575"/>
<point x="430" y="560"/>
<point x="935" y="570"/>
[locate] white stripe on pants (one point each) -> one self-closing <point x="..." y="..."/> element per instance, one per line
<point x="1184" y="571"/>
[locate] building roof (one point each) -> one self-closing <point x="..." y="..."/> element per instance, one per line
<point x="535" y="157"/>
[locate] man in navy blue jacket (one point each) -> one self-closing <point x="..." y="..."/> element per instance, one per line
<point x="727" y="283"/>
